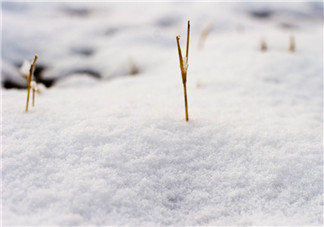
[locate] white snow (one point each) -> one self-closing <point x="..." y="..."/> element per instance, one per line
<point x="24" y="69"/>
<point x="116" y="150"/>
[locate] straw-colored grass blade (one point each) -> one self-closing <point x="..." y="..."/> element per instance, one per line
<point x="184" y="68"/>
<point x="29" y="80"/>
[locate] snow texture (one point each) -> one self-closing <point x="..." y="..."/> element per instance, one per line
<point x="115" y="149"/>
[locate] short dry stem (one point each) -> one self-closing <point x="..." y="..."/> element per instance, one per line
<point x="29" y="80"/>
<point x="34" y="97"/>
<point x="184" y="68"/>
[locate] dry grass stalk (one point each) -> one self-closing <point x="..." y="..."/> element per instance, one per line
<point x="29" y="80"/>
<point x="263" y="45"/>
<point x="33" y="97"/>
<point x="35" y="89"/>
<point x="198" y="84"/>
<point x="184" y="68"/>
<point x="204" y="33"/>
<point x="292" y="44"/>
<point x="133" y="69"/>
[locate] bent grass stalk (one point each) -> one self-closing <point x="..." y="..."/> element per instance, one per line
<point x="29" y="80"/>
<point x="184" y="68"/>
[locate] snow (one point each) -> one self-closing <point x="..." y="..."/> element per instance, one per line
<point x="116" y="150"/>
<point x="24" y="69"/>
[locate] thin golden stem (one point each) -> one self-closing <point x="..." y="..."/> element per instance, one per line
<point x="184" y="68"/>
<point x="179" y="51"/>
<point x="292" y="44"/>
<point x="188" y="34"/>
<point x="186" y="102"/>
<point x="33" y="97"/>
<point x="263" y="45"/>
<point x="29" y="80"/>
<point x="181" y="61"/>
<point x="183" y="71"/>
<point x="202" y="39"/>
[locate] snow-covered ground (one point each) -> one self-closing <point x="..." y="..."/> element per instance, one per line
<point x="104" y="147"/>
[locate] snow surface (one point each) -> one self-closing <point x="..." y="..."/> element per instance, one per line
<point x="116" y="150"/>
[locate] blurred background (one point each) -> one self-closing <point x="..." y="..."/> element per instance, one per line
<point x="103" y="41"/>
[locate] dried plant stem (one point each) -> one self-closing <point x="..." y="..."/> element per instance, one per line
<point x="183" y="73"/>
<point x="34" y="97"/>
<point x="183" y="68"/>
<point x="292" y="44"/>
<point x="263" y="45"/>
<point x="188" y="34"/>
<point x="186" y="102"/>
<point x="202" y="39"/>
<point x="30" y="79"/>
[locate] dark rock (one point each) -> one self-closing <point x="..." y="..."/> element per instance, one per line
<point x="261" y="14"/>
<point x="285" y="25"/>
<point x="77" y="12"/>
<point x="111" y="31"/>
<point x="167" y="21"/>
<point x="9" y="84"/>
<point x="85" y="51"/>
<point x="90" y="72"/>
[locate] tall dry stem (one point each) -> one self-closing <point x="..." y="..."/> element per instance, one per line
<point x="184" y="68"/>
<point x="292" y="45"/>
<point x="34" y="97"/>
<point x="204" y="33"/>
<point x="30" y="79"/>
<point x="263" y="45"/>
